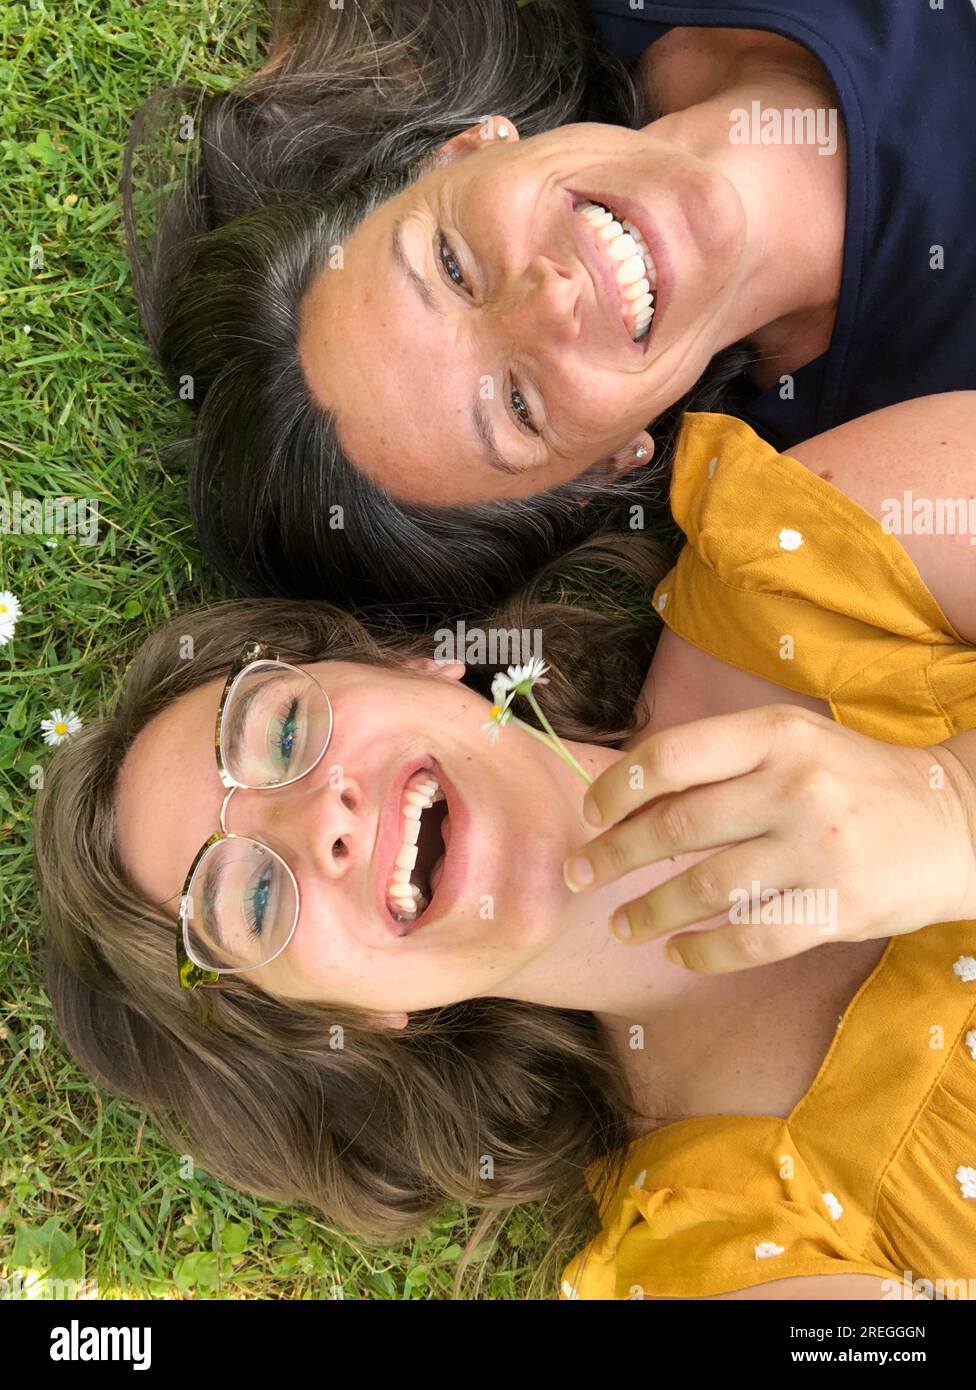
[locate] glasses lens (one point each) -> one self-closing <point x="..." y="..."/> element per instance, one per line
<point x="240" y="908"/>
<point x="276" y="724"/>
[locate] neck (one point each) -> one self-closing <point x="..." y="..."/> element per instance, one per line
<point x="794" y="198"/>
<point x="584" y="966"/>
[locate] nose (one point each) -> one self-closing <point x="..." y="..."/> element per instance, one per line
<point x="543" y="306"/>
<point x="319" y="823"/>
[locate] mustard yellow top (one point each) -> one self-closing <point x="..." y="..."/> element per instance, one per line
<point x="874" y="1170"/>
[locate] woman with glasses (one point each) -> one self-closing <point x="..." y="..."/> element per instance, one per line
<point x="358" y="956"/>
<point x="437" y="277"/>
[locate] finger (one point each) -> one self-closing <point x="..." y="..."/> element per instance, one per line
<point x="701" y="818"/>
<point x="706" y="750"/>
<point x="728" y="948"/>
<point x="728" y="884"/>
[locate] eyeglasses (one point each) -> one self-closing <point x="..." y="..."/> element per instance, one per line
<point x="239" y="905"/>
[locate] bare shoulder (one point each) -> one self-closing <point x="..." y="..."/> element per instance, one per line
<point x="845" y="1287"/>
<point x="913" y="467"/>
<point x="685" y="683"/>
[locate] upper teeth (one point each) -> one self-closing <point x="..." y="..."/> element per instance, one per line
<point x="405" y="899"/>
<point x="634" y="266"/>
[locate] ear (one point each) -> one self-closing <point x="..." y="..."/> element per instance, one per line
<point x="636" y="454"/>
<point x="489" y="131"/>
<point x="436" y="666"/>
<point x="393" y="1021"/>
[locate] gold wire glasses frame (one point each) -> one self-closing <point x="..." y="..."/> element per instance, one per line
<point x="193" y="972"/>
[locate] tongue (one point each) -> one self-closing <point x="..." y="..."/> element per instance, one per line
<point x="435" y="875"/>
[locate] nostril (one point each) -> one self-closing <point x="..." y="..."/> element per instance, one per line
<point x="340" y="849"/>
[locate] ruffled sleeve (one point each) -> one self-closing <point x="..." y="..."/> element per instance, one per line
<point x="786" y="577"/>
<point x="756" y="1213"/>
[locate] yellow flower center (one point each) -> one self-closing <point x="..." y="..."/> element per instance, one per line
<point x="60" y="728"/>
<point x="496" y="710"/>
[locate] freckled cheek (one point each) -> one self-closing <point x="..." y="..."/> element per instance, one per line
<point x="594" y="408"/>
<point x="323" y="947"/>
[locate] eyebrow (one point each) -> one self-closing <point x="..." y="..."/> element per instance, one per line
<point x="479" y="415"/>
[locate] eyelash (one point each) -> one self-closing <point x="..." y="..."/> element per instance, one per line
<point x="524" y="420"/>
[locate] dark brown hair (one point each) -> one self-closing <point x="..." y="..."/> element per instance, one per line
<point x="280" y="169"/>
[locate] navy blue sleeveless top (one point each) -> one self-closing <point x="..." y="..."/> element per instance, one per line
<point x="905" y="76"/>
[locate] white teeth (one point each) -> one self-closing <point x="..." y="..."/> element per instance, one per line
<point x="623" y="249"/>
<point x="631" y="270"/>
<point x="404" y="899"/>
<point x="634" y="268"/>
<point x="634" y="232"/>
<point x="407" y="857"/>
<point x="609" y="231"/>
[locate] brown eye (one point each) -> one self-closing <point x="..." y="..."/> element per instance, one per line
<point x="448" y="259"/>
<point x="523" y="416"/>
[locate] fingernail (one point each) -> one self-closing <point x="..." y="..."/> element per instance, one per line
<point x="620" y="926"/>
<point x="578" y="873"/>
<point x="591" y="811"/>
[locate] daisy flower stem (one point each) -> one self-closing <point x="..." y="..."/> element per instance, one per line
<point x="554" y="740"/>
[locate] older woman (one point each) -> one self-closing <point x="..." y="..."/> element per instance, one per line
<point x="435" y="274"/>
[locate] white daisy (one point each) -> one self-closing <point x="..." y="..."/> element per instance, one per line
<point x="10" y="611"/>
<point x="60" y="727"/>
<point x="520" y="679"/>
<point x="499" y="690"/>
<point x="500" y="716"/>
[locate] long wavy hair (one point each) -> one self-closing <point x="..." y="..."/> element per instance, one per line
<point x="274" y="172"/>
<point x="382" y="1134"/>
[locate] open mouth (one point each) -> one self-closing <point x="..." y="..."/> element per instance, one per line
<point x="629" y="261"/>
<point x="418" y="863"/>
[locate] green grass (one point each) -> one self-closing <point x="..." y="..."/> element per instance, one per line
<point x="87" y="1187"/>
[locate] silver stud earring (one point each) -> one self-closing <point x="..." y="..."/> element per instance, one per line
<point x="641" y="451"/>
<point x="503" y="132"/>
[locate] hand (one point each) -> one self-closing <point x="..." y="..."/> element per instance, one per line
<point x="874" y="839"/>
